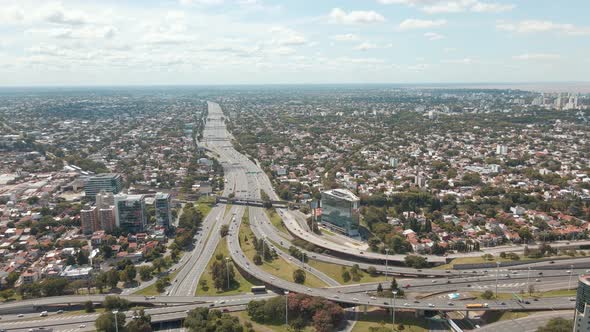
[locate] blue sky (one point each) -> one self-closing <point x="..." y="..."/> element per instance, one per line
<point x="294" y="41"/>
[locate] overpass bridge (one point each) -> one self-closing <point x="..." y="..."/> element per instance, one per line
<point x="252" y="201"/>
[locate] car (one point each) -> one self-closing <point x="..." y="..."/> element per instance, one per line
<point x="212" y="305"/>
<point x="406" y="304"/>
<point x="502" y="303"/>
<point x="448" y="281"/>
<point x="535" y="299"/>
<point x="537" y="280"/>
<point x="552" y="262"/>
<point x="407" y="286"/>
<point x="373" y="298"/>
<point x="43" y="314"/>
<point x="433" y="281"/>
<point x="447" y="271"/>
<point x="527" y="302"/>
<point x="468" y="285"/>
<point x="540" y="273"/>
<point x="82" y="326"/>
<point x="568" y="271"/>
<point x="355" y="299"/>
<point x="60" y="311"/>
<point x="431" y="305"/>
<point x="416" y="301"/>
<point x="336" y="297"/>
<point x="572" y="298"/>
<point x="450" y="303"/>
<point x="225" y="310"/>
<point x="20" y="315"/>
<point x="187" y="311"/>
<point x="309" y="289"/>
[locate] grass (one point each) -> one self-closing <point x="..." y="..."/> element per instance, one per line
<point x="205" y="204"/>
<point x="240" y="285"/>
<point x="276" y="220"/>
<point x="552" y="293"/>
<point x="334" y="271"/>
<point x="496" y="316"/>
<point x="279" y="267"/>
<point x="227" y="208"/>
<point x="377" y="318"/>
<point x="243" y="316"/>
<point x="151" y="289"/>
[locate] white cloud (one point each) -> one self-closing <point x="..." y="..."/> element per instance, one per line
<point x="433" y="36"/>
<point x="365" y="46"/>
<point x="201" y="2"/>
<point x="411" y="24"/>
<point x="338" y="15"/>
<point x="536" y="26"/>
<point x="536" y="56"/>
<point x="346" y="37"/>
<point x="464" y="61"/>
<point x="453" y="6"/>
<point x="287" y="37"/>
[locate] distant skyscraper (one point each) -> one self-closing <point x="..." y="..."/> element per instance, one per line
<point x="582" y="312"/>
<point x="501" y="149"/>
<point x="130" y="213"/>
<point x="163" y="209"/>
<point x="107" y="218"/>
<point x="340" y="211"/>
<point x="105" y="199"/>
<point x="393" y="162"/>
<point x="108" y="182"/>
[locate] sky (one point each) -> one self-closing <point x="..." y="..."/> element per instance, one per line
<point x="202" y="42"/>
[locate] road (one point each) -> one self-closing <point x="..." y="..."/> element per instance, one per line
<point x="527" y="324"/>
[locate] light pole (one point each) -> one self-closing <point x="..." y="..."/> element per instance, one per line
<point x="286" y="308"/>
<point x="227" y="268"/>
<point x="386" y="256"/>
<point x="263" y="251"/>
<point x="497" y="274"/>
<point x="528" y="273"/>
<point x="116" y="322"/>
<point x="393" y="312"/>
<point x="570" y="278"/>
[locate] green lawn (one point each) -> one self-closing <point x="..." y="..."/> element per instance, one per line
<point x="335" y="272"/>
<point x="279" y="267"/>
<point x="205" y="204"/>
<point x="240" y="286"/>
<point x="552" y="293"/>
<point x="243" y="316"/>
<point x="227" y="208"/>
<point x="376" y="318"/>
<point x="496" y="316"/>
<point x="151" y="289"/>
<point x="276" y="220"/>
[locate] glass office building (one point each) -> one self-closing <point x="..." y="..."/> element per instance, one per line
<point x="108" y="182"/>
<point x="582" y="312"/>
<point x="340" y="211"/>
<point x="162" y="203"/>
<point x="130" y="213"/>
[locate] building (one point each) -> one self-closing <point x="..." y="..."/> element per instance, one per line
<point x="130" y="213"/>
<point x="582" y="312"/>
<point x="340" y="211"/>
<point x="105" y="199"/>
<point x="107" y="218"/>
<point x="108" y="182"/>
<point x="89" y="220"/>
<point x="73" y="272"/>
<point x="162" y="203"/>
<point x="501" y="149"/>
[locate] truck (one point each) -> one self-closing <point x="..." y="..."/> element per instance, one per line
<point x="476" y="305"/>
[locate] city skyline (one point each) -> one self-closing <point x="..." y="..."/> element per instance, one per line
<point x="204" y="42"/>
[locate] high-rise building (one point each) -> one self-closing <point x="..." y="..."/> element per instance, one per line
<point x="582" y="312"/>
<point x="393" y="162"/>
<point x="340" y="211"/>
<point x="501" y="149"/>
<point x="105" y="199"/>
<point x="107" y="218"/>
<point x="162" y="203"/>
<point x="89" y="220"/>
<point x="130" y="213"/>
<point x="107" y="182"/>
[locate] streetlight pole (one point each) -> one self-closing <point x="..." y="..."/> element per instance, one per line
<point x="570" y="278"/>
<point x="227" y="269"/>
<point x="393" y="312"/>
<point x="116" y="322"/>
<point x="286" y="308"/>
<point x="497" y="274"/>
<point x="528" y="278"/>
<point x="386" y="268"/>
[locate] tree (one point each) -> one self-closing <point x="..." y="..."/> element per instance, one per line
<point x="130" y="272"/>
<point x="346" y="276"/>
<point x="145" y="273"/>
<point x="393" y="284"/>
<point x="531" y="289"/>
<point x="257" y="259"/>
<point x="82" y="257"/>
<point x="88" y="306"/>
<point x="112" y="278"/>
<point x="106" y="322"/>
<point x="12" y="278"/>
<point x="140" y="322"/>
<point x="488" y="294"/>
<point x="372" y="271"/>
<point x="220" y="270"/>
<point x="161" y="284"/>
<point x="557" y="325"/>
<point x="416" y="262"/>
<point x="114" y="302"/>
<point x="224" y="230"/>
<point x="7" y="293"/>
<point x="158" y="264"/>
<point x="379" y="288"/>
<point x="299" y="276"/>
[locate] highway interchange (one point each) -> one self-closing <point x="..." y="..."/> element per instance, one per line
<point x="244" y="178"/>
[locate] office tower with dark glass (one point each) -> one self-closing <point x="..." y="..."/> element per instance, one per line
<point x="163" y="210"/>
<point x="582" y="312"/>
<point x="340" y="211"/>
<point x="108" y="182"/>
<point x="130" y="213"/>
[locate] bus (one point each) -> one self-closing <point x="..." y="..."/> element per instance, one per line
<point x="258" y="289"/>
<point x="476" y="305"/>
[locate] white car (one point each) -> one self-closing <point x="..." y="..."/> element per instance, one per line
<point x="431" y="305"/>
<point x="82" y="326"/>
